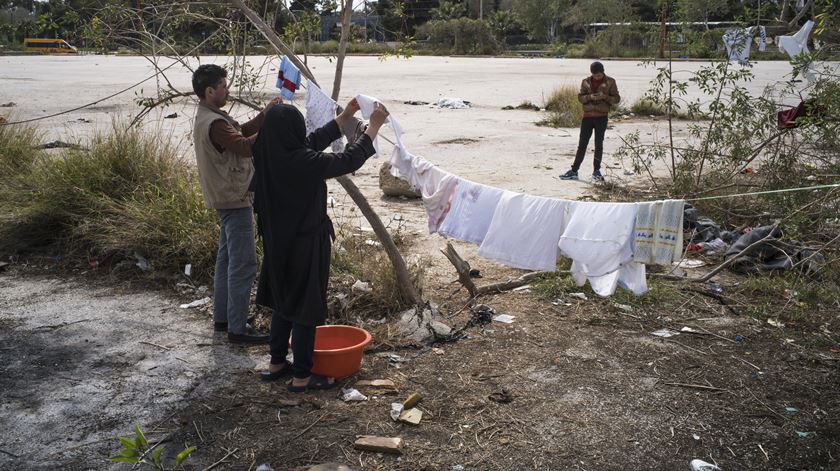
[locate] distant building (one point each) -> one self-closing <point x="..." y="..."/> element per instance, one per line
<point x="369" y="23"/>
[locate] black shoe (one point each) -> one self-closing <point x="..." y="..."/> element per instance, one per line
<point x="250" y="337"/>
<point x="269" y="376"/>
<point x="222" y="326"/>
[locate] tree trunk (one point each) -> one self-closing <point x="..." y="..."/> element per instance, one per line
<point x="346" y="13"/>
<point x="409" y="291"/>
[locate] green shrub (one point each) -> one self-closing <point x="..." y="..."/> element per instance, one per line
<point x="130" y="192"/>
<point x="459" y="36"/>
<point x="564" y="109"/>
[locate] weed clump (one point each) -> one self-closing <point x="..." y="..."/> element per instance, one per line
<point x="564" y="109"/>
<point x="129" y="192"/>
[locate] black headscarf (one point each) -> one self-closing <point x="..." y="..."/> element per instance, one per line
<point x="283" y="131"/>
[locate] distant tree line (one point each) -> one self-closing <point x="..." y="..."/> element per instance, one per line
<point x="453" y="26"/>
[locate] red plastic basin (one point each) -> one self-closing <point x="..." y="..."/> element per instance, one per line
<point x="338" y="350"/>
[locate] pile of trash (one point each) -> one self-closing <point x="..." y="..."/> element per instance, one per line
<point x="767" y="252"/>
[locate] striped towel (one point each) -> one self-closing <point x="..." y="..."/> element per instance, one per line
<point x="658" y="236"/>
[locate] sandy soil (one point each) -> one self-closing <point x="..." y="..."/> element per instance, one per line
<point x="589" y="382"/>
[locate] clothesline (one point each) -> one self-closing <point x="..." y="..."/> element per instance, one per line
<point x="755" y="193"/>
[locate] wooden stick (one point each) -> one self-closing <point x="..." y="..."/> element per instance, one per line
<point x="695" y="386"/>
<point x="217" y="463"/>
<point x="312" y="425"/>
<point x="686" y="346"/>
<point x="156" y="345"/>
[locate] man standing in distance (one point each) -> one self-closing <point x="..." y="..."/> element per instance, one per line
<point x="597" y="95"/>
<point x="225" y="169"/>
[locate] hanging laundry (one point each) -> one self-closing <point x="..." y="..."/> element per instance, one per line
<point x="366" y="107"/>
<point x="737" y="42"/>
<point x="630" y="276"/>
<point x="798" y="42"/>
<point x="787" y="118"/>
<point x="524" y="231"/>
<point x="288" y="78"/>
<point x="762" y="38"/>
<point x="437" y="188"/>
<point x="320" y="110"/>
<point x="471" y="211"/>
<point x="599" y="239"/>
<point x="658" y="233"/>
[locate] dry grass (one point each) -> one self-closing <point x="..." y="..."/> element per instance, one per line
<point x="564" y="109"/>
<point x="130" y="192"/>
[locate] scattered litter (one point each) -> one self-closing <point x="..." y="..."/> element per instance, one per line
<point x="264" y="467"/>
<point x="415" y="102"/>
<point x="695" y="436"/>
<point x="372" y="243"/>
<point x="739" y="338"/>
<point x="624" y="307"/>
<point x="348" y="395"/>
<point x="689" y="330"/>
<point x="188" y="269"/>
<point x="142" y="263"/>
<point x="791" y="409"/>
<point x="803" y="434"/>
<point x="475" y="273"/>
<point x="59" y="145"/>
<point x="714" y="286"/>
<point x="525" y="288"/>
<point x="502" y="397"/>
<point x="665" y="333"/>
<point x="579" y="296"/>
<point x="775" y="323"/>
<point x="170" y="116"/>
<point x="457" y="467"/>
<point x="91" y="263"/>
<point x="700" y="465"/>
<point x="361" y="287"/>
<point x="10" y="104"/>
<point x="628" y="172"/>
<point x="412" y="400"/>
<point x="379" y="444"/>
<point x="560" y="302"/>
<point x="411" y="416"/>
<point x="396" y="410"/>
<point x="196" y="303"/>
<point x="452" y="103"/>
<point x="438" y="351"/>
<point x="504" y="318"/>
<point x="376" y="383"/>
<point x="689" y="263"/>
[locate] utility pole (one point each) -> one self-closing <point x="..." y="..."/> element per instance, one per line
<point x="663" y="30"/>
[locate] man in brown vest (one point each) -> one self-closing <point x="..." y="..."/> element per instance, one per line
<point x="597" y="95"/>
<point x="225" y="168"/>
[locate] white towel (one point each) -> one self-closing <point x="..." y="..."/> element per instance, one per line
<point x="471" y="212"/>
<point x="524" y="231"/>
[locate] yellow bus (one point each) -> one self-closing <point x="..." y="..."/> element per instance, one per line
<point x="49" y="46"/>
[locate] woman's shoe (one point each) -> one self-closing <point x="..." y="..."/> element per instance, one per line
<point x="315" y="382"/>
<point x="268" y="375"/>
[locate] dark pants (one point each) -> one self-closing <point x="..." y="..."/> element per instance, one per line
<point x="303" y="344"/>
<point x="599" y="125"/>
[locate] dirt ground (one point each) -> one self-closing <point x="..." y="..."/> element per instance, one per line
<point x="85" y="356"/>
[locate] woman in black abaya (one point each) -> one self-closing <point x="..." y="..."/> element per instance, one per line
<point x="290" y="199"/>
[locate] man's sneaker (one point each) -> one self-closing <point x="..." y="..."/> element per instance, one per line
<point x="570" y="175"/>
<point x="250" y="337"/>
<point x="596" y="176"/>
